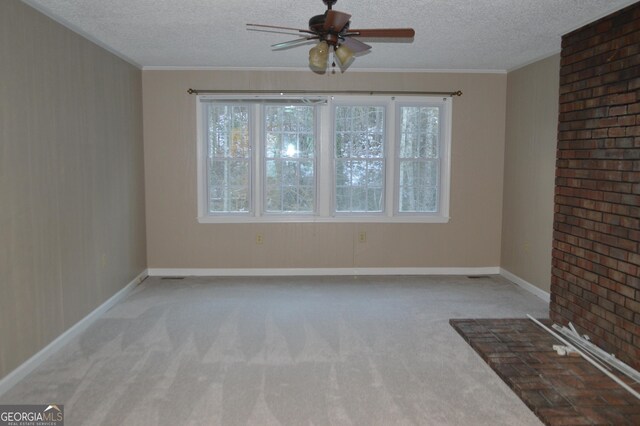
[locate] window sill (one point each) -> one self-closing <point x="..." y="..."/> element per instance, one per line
<point x="324" y="219"/>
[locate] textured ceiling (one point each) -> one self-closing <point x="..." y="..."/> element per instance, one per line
<point x="450" y="34"/>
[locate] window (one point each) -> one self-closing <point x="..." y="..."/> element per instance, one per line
<point x="289" y="159"/>
<point x="359" y="158"/>
<point x="337" y="158"/>
<point x="228" y="158"/>
<point x="419" y="158"/>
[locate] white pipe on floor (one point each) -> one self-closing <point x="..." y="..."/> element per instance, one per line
<point x="588" y="358"/>
<point x="597" y="352"/>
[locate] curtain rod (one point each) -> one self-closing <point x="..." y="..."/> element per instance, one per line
<point x="317" y="92"/>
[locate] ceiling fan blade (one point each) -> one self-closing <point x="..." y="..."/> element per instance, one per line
<point x="355" y="45"/>
<point x="383" y="32"/>
<point x="335" y="20"/>
<point x="266" y="30"/>
<point x="291" y="43"/>
<point x="280" y="28"/>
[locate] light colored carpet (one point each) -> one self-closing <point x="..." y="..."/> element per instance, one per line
<point x="293" y="351"/>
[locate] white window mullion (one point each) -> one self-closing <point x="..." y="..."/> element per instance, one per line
<point x="202" y="163"/>
<point x="257" y="137"/>
<point x="445" y="158"/>
<point x="390" y="156"/>
<point x="325" y="177"/>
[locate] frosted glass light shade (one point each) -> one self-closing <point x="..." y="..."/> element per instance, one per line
<point x="318" y="56"/>
<point x="323" y="48"/>
<point x="344" y="54"/>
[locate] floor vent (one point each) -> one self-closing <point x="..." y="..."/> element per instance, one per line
<point x="172" y="278"/>
<point x="475" y="277"/>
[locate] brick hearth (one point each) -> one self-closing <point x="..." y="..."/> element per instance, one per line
<point x="560" y="390"/>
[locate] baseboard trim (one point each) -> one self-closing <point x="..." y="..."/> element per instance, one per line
<point x="32" y="363"/>
<point x="253" y="272"/>
<point x="525" y="285"/>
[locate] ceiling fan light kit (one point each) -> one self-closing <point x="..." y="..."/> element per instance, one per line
<point x="333" y="31"/>
<point x="318" y="56"/>
<point x="344" y="54"/>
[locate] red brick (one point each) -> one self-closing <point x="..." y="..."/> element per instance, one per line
<point x="618" y="110"/>
<point x="596" y="258"/>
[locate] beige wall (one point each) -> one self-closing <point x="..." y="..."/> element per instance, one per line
<point x="176" y="240"/>
<point x="72" y="227"/>
<point x="530" y="155"/>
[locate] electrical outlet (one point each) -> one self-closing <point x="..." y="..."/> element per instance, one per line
<point x="362" y="237"/>
<point x="259" y="239"/>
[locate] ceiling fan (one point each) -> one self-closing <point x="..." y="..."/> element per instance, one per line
<point x="333" y="32"/>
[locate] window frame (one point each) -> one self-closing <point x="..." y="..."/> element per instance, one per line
<point x="262" y="160"/>
<point x="203" y="168"/>
<point x="444" y="157"/>
<point x="324" y="162"/>
<point x="357" y="101"/>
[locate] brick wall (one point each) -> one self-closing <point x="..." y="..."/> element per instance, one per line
<point x="596" y="249"/>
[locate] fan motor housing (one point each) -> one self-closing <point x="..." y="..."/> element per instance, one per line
<point x="316" y="23"/>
